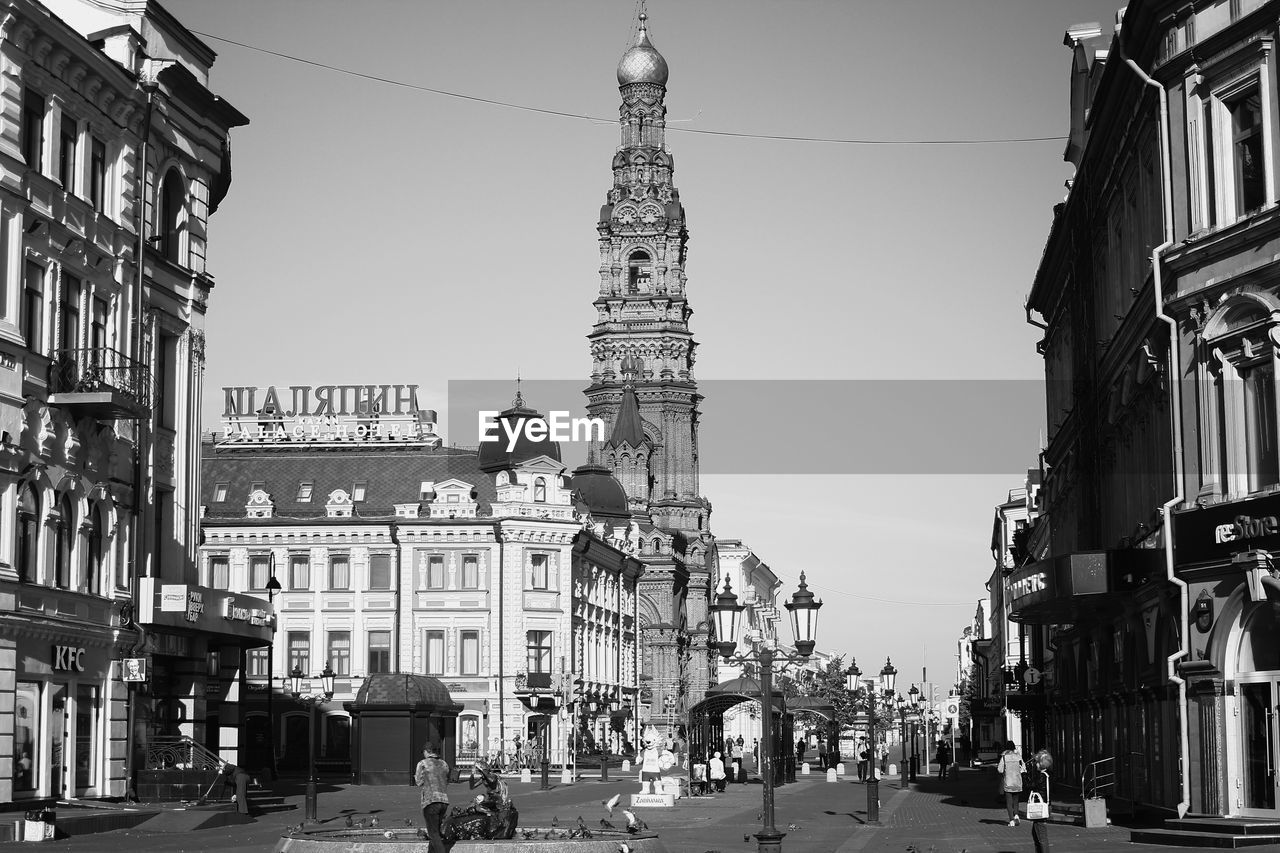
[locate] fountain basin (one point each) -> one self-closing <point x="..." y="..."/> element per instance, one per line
<point x="407" y="840"/>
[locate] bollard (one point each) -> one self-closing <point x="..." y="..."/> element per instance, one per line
<point x="893" y="770"/>
<point x="831" y="774"/>
<point x="840" y="769"/>
<point x="804" y="769"/>
<point x="526" y="775"/>
<point x="626" y="765"/>
<point x="566" y="777"/>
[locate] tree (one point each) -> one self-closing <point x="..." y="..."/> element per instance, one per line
<point x="829" y="685"/>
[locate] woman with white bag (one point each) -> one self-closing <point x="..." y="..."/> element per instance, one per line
<point x="1038" y="799"/>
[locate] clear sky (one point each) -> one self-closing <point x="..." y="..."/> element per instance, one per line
<point x="379" y="234"/>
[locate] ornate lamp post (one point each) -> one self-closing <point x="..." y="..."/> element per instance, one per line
<point x="887" y="676"/>
<point x="903" y="707"/>
<point x="273" y="586"/>
<point x="914" y="699"/>
<point x="804" y="623"/>
<point x="313" y="701"/>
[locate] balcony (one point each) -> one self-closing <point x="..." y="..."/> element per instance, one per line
<point x="100" y="383"/>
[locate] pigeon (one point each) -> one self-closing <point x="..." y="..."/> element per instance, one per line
<point x="604" y="824"/>
<point x="350" y="822"/>
<point x="746" y="837"/>
<point x="611" y="803"/>
<point x="555" y="821"/>
<point x="793" y="826"/>
<point x="582" y="824"/>
<point x="624" y="847"/>
<point x="528" y="833"/>
<point x="408" y="822"/>
<point x="373" y="821"/>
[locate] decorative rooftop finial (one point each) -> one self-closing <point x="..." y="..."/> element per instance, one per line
<point x="518" y="402"/>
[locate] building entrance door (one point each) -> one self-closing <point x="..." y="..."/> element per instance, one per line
<point x="1259" y="740"/>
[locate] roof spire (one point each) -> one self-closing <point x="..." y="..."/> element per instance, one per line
<point x="518" y="402"/>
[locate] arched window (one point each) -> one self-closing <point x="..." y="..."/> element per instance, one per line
<point x="172" y="196"/>
<point x="28" y="533"/>
<point x="64" y="538"/>
<point x="97" y="547"/>
<point x="639" y="272"/>
<point x="540" y="490"/>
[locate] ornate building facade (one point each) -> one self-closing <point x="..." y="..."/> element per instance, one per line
<point x="643" y="387"/>
<point x="113" y="156"/>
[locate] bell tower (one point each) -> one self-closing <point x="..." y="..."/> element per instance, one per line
<point x="643" y="388"/>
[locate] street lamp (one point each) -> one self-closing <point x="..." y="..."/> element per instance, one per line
<point x="804" y="623"/>
<point x="313" y="701"/>
<point x="273" y="586"/>
<point x="914" y="699"/>
<point x="852" y="683"/>
<point x="902" y="706"/>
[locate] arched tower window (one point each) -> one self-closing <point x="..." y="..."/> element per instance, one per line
<point x="540" y="490"/>
<point x="64" y="535"/>
<point x="28" y="533"/>
<point x="639" y="272"/>
<point x="172" y="197"/>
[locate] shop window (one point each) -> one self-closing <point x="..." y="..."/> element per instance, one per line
<point x="300" y="651"/>
<point x="380" y="571"/>
<point x="26" y="736"/>
<point x="337" y="737"/>
<point x="259" y="571"/>
<point x="379" y="652"/>
<point x="433" y="662"/>
<point x="469" y="653"/>
<point x="470" y="572"/>
<point x="339" y="572"/>
<point x="256" y="662"/>
<point x="64" y="543"/>
<point x="28" y="534"/>
<point x="299" y="572"/>
<point x="538" y="646"/>
<point x="340" y="652"/>
<point x="219" y="573"/>
<point x="538" y="571"/>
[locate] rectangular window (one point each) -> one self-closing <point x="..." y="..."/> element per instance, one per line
<point x="380" y="571"/>
<point x="33" y="129"/>
<point x="433" y="650"/>
<point x="166" y="379"/>
<point x="358" y="491"/>
<point x="1246" y="150"/>
<point x="26" y="736"/>
<point x="299" y="572"/>
<point x="300" y="651"/>
<point x="435" y="572"/>
<point x="304" y="493"/>
<point x="339" y="572"/>
<point x="539" y="648"/>
<point x="219" y="573"/>
<point x="470" y="572"/>
<point x="69" y="311"/>
<point x="259" y="571"/>
<point x="255" y="661"/>
<point x="538" y="571"/>
<point x="469" y="653"/>
<point x="33" y="306"/>
<point x="1260" y="425"/>
<point x="98" y="331"/>
<point x="220" y="492"/>
<point x="340" y="652"/>
<point x="379" y="652"/>
<point x="68" y="139"/>
<point x="98" y="175"/>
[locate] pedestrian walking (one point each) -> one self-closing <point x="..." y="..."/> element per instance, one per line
<point x="822" y="754"/>
<point x="1011" y="767"/>
<point x="737" y="761"/>
<point x="800" y="751"/>
<point x="884" y="759"/>
<point x="432" y="777"/>
<point x="1041" y="764"/>
<point x="716" y="772"/>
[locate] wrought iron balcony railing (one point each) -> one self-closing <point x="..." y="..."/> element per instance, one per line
<point x="102" y="382"/>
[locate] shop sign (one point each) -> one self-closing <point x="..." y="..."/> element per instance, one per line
<point x="135" y="669"/>
<point x="189" y="606"/>
<point x="1027" y="584"/>
<point x="1215" y="533"/>
<point x="235" y="613"/>
<point x="324" y="413"/>
<point x="68" y="658"/>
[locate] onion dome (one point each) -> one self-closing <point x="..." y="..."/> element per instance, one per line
<point x="642" y="63"/>
<point x="495" y="457"/>
<point x="603" y="495"/>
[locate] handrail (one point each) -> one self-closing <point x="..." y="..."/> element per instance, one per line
<point x="170" y="752"/>
<point x="1097" y="776"/>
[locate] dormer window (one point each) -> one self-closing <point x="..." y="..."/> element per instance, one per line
<point x="304" y="492"/>
<point x="357" y="492"/>
<point x="220" y="493"/>
<point x="540" y="490"/>
<point x="639" y="272"/>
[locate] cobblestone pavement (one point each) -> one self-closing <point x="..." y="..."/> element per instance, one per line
<point x="933" y="816"/>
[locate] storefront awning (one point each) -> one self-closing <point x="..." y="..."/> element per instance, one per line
<point x="1078" y="587"/>
<point x="233" y="618"/>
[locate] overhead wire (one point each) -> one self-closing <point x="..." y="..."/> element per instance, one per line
<point x="825" y="588"/>
<point x="390" y="81"/>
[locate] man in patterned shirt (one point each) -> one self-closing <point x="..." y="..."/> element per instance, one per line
<point x="432" y="776"/>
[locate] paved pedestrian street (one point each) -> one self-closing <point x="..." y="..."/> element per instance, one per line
<point x="932" y="816"/>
